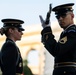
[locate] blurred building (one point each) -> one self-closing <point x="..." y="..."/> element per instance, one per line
<point x="39" y="59"/>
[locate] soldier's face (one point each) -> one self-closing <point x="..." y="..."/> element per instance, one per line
<point x="65" y="20"/>
<point x="16" y="34"/>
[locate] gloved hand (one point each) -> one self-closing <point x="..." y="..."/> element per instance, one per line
<point x="46" y="22"/>
<point x="43" y="22"/>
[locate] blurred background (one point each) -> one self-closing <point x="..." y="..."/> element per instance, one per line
<point x="34" y="55"/>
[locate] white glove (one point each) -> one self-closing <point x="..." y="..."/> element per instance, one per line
<point x="43" y="22"/>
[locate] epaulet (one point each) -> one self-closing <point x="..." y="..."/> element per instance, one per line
<point x="71" y="29"/>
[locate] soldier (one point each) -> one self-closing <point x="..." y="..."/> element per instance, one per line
<point x="11" y="59"/>
<point x="63" y="51"/>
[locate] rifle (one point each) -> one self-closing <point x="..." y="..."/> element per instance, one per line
<point x="48" y="14"/>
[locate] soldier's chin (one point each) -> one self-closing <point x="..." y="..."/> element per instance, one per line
<point x="18" y="39"/>
<point x="62" y="26"/>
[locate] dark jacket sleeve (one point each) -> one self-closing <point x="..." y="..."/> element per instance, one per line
<point x="65" y="44"/>
<point x="9" y="59"/>
<point x="48" y="40"/>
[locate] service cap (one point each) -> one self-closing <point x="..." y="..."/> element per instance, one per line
<point x="60" y="9"/>
<point x="13" y="23"/>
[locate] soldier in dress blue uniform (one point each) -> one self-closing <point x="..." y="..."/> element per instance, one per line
<point x="63" y="51"/>
<point x="11" y="59"/>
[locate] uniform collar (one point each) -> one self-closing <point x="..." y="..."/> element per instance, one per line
<point x="68" y="27"/>
<point x="8" y="39"/>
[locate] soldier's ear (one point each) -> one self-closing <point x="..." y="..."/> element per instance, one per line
<point x="10" y="30"/>
<point x="72" y="15"/>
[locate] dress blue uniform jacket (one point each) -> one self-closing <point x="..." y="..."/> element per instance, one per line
<point x="11" y="58"/>
<point x="64" y="51"/>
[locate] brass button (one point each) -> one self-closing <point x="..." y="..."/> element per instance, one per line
<point x="64" y="71"/>
<point x="20" y="64"/>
